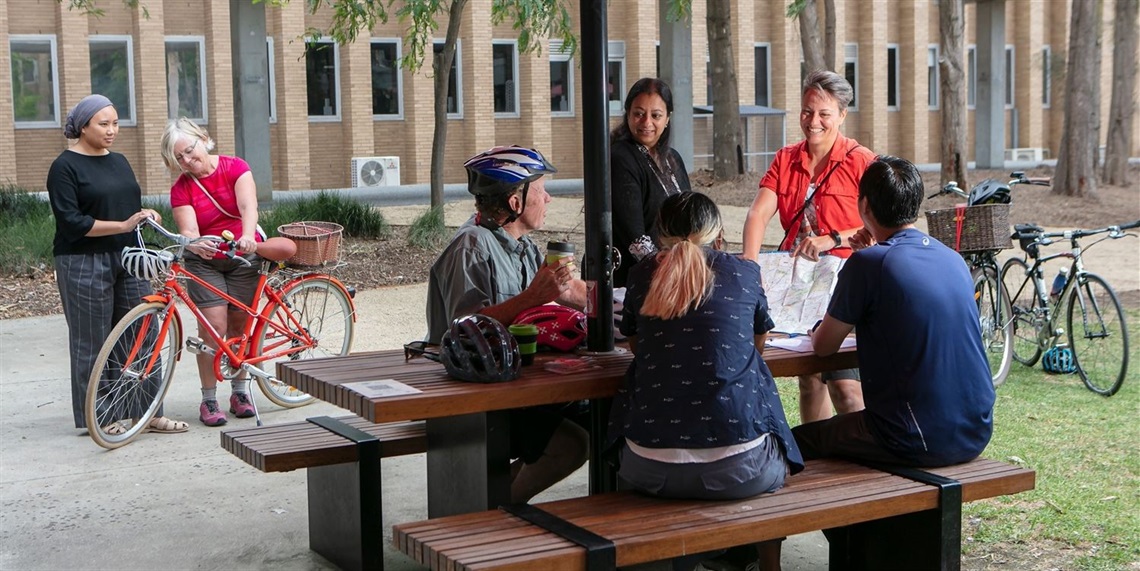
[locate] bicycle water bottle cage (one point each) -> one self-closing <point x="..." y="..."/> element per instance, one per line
<point x="1027" y="243"/>
<point x="1058" y="360"/>
<point x="989" y="191"/>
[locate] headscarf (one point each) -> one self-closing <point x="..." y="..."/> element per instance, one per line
<point x="83" y="111"/>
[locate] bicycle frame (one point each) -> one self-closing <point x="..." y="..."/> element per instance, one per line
<point x="1047" y="330"/>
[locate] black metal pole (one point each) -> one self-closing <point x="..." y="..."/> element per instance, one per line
<point x="596" y="165"/>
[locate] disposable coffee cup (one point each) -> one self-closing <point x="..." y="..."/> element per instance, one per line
<point x="527" y="336"/>
<point x="557" y="250"/>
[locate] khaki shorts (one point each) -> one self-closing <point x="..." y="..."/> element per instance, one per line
<point x="230" y="276"/>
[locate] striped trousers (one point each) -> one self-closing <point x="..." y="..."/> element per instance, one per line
<point x="96" y="292"/>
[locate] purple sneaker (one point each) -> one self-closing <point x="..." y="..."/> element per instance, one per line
<point x="211" y="414"/>
<point x="240" y="405"/>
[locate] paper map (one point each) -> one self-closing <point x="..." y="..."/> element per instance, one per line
<point x="798" y="290"/>
<point x="381" y="388"/>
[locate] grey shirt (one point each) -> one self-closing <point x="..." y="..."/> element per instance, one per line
<point x="481" y="267"/>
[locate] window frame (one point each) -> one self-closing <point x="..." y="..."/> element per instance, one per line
<point x="271" y="76"/>
<point x="200" y="41"/>
<point x="399" y="115"/>
<point x="1010" y="80"/>
<point x="335" y="117"/>
<point x="51" y="40"/>
<point x="557" y="55"/>
<point x="1047" y="76"/>
<point x="933" y="77"/>
<point x="514" y="92"/>
<point x="972" y="76"/>
<point x="893" y="58"/>
<point x="851" y="56"/>
<point x="616" y="54"/>
<point x="457" y="63"/>
<point x="767" y="46"/>
<point x="129" y="41"/>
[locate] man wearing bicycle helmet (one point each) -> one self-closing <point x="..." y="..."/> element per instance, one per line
<point x="492" y="267"/>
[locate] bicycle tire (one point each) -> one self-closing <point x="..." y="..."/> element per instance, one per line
<point x="120" y="392"/>
<point x="1024" y="307"/>
<point x="322" y="307"/>
<point x="993" y="315"/>
<point x="1098" y="334"/>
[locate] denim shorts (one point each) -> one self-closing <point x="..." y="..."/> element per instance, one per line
<point x="750" y="473"/>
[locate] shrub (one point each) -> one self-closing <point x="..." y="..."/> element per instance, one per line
<point x="427" y="230"/>
<point x="359" y="220"/>
<point x="27" y="229"/>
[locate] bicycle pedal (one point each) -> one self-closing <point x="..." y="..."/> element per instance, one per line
<point x="351" y="292"/>
<point x="196" y="346"/>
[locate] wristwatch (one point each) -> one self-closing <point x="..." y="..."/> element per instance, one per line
<point x="835" y="236"/>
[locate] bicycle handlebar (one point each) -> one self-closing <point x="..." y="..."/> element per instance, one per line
<point x="1045" y="238"/>
<point x="184" y="241"/>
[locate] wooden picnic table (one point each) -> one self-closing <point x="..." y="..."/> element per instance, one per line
<point x="467" y="422"/>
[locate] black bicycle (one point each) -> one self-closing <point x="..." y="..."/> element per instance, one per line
<point x="1094" y="339"/>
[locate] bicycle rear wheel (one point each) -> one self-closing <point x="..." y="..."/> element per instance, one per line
<point x="1024" y="309"/>
<point x="1098" y="334"/>
<point x="322" y="308"/>
<point x="132" y="374"/>
<point x="994" y="312"/>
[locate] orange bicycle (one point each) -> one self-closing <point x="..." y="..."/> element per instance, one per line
<point x="295" y="314"/>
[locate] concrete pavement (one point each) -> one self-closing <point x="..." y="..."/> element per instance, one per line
<point x="181" y="502"/>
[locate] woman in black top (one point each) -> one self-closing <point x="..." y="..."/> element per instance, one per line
<point x="97" y="202"/>
<point x="644" y="169"/>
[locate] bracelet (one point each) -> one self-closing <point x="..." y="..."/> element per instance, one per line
<point x="814" y="327"/>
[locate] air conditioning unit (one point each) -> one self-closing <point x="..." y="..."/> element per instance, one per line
<point x="1027" y="154"/>
<point x="375" y="171"/>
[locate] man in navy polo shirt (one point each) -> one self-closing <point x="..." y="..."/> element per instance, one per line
<point x="926" y="380"/>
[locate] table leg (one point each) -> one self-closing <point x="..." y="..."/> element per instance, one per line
<point x="468" y="463"/>
<point x="603" y="477"/>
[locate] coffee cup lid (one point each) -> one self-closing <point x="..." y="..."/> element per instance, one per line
<point x="560" y="247"/>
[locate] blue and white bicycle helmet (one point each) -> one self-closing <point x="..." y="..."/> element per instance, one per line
<point x="479" y="349"/>
<point x="989" y="191"/>
<point x="501" y="170"/>
<point x="1058" y="360"/>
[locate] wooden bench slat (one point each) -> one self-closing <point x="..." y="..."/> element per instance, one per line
<point x="828" y="494"/>
<point x="295" y="445"/>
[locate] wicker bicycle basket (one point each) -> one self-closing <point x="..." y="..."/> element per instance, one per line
<point x="973" y="228"/>
<point x="317" y="242"/>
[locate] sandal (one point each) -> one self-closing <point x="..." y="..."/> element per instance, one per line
<point x="114" y="429"/>
<point x="163" y="425"/>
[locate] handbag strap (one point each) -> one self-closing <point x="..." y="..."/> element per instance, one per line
<point x="211" y="197"/>
<point x="811" y="199"/>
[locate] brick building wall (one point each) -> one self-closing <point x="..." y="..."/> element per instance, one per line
<point x="316" y="153"/>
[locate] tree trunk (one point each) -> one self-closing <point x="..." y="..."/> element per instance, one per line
<point x="829" y="34"/>
<point x="1122" y="110"/>
<point x="809" y="37"/>
<point x="726" y="100"/>
<point x="442" y="68"/>
<point x="951" y="25"/>
<point x="1076" y="161"/>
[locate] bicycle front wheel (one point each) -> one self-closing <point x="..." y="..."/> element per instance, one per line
<point x="132" y="374"/>
<point x="994" y="312"/>
<point x="1024" y="309"/>
<point x="1098" y="334"/>
<point x="314" y="307"/>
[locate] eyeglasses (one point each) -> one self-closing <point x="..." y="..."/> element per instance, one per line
<point x="189" y="151"/>
<point x="420" y="349"/>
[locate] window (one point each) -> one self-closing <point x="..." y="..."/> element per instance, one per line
<point x="561" y="81"/>
<point x="971" y="77"/>
<point x="454" y="87"/>
<point x="386" y="79"/>
<point x="1047" y="76"/>
<point x="1009" y="77"/>
<point x="322" y="80"/>
<point x="615" y="77"/>
<point x="933" y="83"/>
<point x="762" y="53"/>
<point x="185" y="78"/>
<point x="35" y="88"/>
<point x="892" y="77"/>
<point x="504" y="65"/>
<point x="270" y="74"/>
<point x="851" y="72"/>
<point x="113" y="75"/>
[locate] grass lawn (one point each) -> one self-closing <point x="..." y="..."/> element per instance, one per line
<point x="1085" y="449"/>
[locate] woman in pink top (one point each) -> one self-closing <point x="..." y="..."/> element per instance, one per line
<point x="214" y="193"/>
